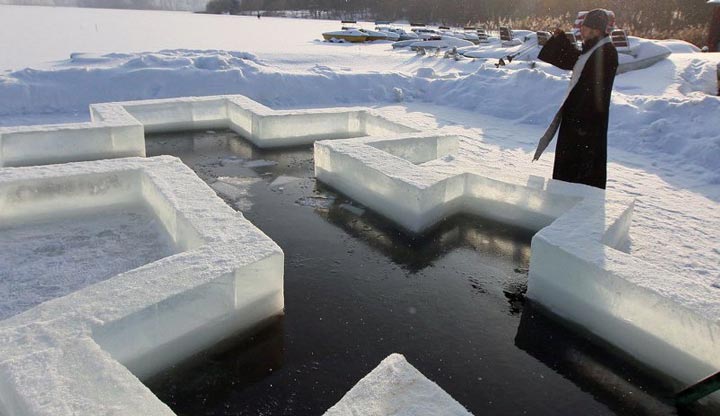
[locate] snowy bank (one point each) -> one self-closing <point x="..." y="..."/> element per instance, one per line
<point x="645" y="103"/>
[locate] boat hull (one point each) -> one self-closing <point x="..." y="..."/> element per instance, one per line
<point x="345" y="38"/>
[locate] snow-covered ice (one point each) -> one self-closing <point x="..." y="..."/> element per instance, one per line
<point x="71" y="355"/>
<point x="396" y="388"/>
<point x="47" y="258"/>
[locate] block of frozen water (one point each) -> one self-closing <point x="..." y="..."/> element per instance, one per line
<point x="577" y="270"/>
<point x="419" y="150"/>
<point x="23" y="146"/>
<point x="374" y="124"/>
<point x="118" y="129"/>
<point x="85" y="352"/>
<point x="396" y="388"/>
<point x="187" y="113"/>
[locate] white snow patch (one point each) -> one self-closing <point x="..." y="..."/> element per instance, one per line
<point x="44" y="259"/>
<point x="396" y="388"/>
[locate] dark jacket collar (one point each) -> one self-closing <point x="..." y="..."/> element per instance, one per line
<point x="589" y="43"/>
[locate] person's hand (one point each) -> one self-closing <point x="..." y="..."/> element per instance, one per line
<point x="559" y="32"/>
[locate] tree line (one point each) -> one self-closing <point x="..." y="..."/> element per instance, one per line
<point x="646" y="17"/>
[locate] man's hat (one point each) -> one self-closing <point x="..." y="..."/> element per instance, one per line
<point x="597" y="19"/>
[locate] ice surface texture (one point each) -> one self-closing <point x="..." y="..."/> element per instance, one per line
<point x="118" y="129"/>
<point x="396" y="388"/>
<point x="48" y="258"/>
<point x="82" y="354"/>
<point x="576" y="270"/>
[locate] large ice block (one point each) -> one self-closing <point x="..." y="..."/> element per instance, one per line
<point x="85" y="353"/>
<point x="118" y="129"/>
<point x="577" y="270"/>
<point x="396" y="388"/>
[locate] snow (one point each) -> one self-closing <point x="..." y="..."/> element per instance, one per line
<point x="664" y="146"/>
<point x="186" y="5"/>
<point x="396" y="388"/>
<point x="70" y="355"/>
<point x="51" y="258"/>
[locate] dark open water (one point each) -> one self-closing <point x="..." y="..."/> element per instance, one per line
<point x="357" y="290"/>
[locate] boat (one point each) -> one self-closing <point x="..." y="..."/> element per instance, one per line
<point x="404" y="43"/>
<point x="348" y="35"/>
<point x="640" y="54"/>
<point x="390" y="32"/>
<point x="425" y="33"/>
<point x="441" y="42"/>
<point x="373" y="35"/>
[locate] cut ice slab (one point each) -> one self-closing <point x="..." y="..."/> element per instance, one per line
<point x="283" y="180"/>
<point x="396" y="388"/>
<point x="118" y="129"/>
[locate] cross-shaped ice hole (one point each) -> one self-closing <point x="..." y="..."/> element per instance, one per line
<point x="118" y="129"/>
<point x="85" y="353"/>
<point x="577" y="270"/>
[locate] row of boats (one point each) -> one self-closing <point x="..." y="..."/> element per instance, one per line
<point x="505" y="44"/>
<point x="353" y="34"/>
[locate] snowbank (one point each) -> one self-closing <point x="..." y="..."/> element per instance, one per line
<point x="671" y="93"/>
<point x="396" y="388"/>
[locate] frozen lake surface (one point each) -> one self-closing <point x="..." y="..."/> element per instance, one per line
<point x="356" y="290"/>
<point x="46" y="259"/>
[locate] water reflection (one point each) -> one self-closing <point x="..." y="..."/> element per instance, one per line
<point x="612" y="377"/>
<point x="455" y="319"/>
<point x="418" y="252"/>
<point x="204" y="383"/>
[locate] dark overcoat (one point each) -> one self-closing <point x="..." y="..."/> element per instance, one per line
<point x="581" y="151"/>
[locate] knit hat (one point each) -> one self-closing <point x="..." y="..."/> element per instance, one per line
<point x="597" y="19"/>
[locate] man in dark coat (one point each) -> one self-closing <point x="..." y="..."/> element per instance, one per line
<point x="714" y="31"/>
<point x="581" y="152"/>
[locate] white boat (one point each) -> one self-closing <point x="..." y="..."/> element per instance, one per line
<point x="372" y="35"/>
<point x="349" y="35"/>
<point x="404" y="43"/>
<point x="441" y="42"/>
<point x="405" y="35"/>
<point x="390" y="33"/>
<point x="640" y="54"/>
<point x="425" y="33"/>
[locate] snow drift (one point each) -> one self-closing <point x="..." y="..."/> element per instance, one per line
<point x="659" y="109"/>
